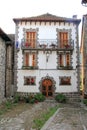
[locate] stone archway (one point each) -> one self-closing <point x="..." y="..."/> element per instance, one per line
<point x="47" y="86"/>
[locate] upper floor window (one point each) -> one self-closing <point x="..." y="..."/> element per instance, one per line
<point x="64" y="59"/>
<point x="29" y="59"/>
<point x="30" y="39"/>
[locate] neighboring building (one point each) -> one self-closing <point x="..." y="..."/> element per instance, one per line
<point x="6" y="69"/>
<point x="84" y="2"/>
<point x="84" y="54"/>
<point x="10" y="66"/>
<point x="47" y="56"/>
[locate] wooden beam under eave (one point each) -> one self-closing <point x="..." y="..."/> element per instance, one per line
<point x="54" y="23"/>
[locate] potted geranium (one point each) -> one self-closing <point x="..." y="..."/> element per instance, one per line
<point x="32" y="81"/>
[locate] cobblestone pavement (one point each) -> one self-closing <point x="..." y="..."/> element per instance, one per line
<point x="68" y="117"/>
<point x="23" y="120"/>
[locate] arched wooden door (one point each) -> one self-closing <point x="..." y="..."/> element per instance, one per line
<point x="47" y="87"/>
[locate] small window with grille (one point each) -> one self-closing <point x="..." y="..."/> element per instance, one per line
<point x="65" y="80"/>
<point x="29" y="80"/>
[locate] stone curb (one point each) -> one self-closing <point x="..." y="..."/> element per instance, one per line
<point x="50" y="120"/>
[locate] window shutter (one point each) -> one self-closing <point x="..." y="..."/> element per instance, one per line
<point x="63" y="39"/>
<point x="30" y="38"/>
<point x="61" y="60"/>
<point x="27" y="38"/>
<point x="33" y="60"/>
<point x="34" y="37"/>
<point x="27" y="59"/>
<point x="67" y="59"/>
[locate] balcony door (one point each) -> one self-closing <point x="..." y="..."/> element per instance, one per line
<point x="31" y="39"/>
<point x="63" y="39"/>
<point x="47" y="89"/>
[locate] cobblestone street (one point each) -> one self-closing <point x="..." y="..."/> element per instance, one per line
<point x="68" y="117"/>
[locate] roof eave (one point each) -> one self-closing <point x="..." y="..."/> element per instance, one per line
<point x="47" y="20"/>
<point x="4" y="36"/>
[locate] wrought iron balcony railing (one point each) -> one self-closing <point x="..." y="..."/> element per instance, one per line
<point x="48" y="44"/>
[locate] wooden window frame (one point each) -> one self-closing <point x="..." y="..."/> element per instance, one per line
<point x="65" y="80"/>
<point x="29" y="80"/>
<point x="67" y="59"/>
<point x="31" y="39"/>
<point x="61" y="60"/>
<point x="63" y="39"/>
<point x="29" y="59"/>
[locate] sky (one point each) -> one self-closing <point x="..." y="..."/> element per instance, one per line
<point x="10" y="9"/>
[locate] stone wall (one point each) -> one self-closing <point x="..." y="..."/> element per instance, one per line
<point x="85" y="52"/>
<point x="72" y="96"/>
<point x="2" y="68"/>
<point x="6" y="69"/>
<point x="9" y="74"/>
<point x="16" y="51"/>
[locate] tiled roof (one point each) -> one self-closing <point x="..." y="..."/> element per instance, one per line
<point x="4" y="36"/>
<point x="12" y="36"/>
<point x="47" y="18"/>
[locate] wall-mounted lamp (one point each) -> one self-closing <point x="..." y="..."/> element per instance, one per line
<point x="47" y="55"/>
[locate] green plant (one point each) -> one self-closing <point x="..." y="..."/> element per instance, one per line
<point x="27" y="100"/>
<point x="16" y="98"/>
<point x="85" y="101"/>
<point x="60" y="98"/>
<point x="32" y="101"/>
<point x="8" y="104"/>
<point x="39" y="97"/>
<point x="31" y="67"/>
<point x="38" y="123"/>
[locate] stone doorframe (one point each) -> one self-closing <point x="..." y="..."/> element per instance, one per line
<point x="50" y="78"/>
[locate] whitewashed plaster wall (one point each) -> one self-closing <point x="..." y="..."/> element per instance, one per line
<point x="43" y="73"/>
<point x="46" y="32"/>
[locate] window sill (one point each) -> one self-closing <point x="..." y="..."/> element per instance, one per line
<point x="65" y="84"/>
<point x="29" y="84"/>
<point x="29" y="67"/>
<point x="65" y="67"/>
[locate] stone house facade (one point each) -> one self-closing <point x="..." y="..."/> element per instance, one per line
<point x="47" y="56"/>
<point x="6" y="65"/>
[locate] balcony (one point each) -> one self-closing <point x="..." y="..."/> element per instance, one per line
<point x="30" y="44"/>
<point x="47" y="44"/>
